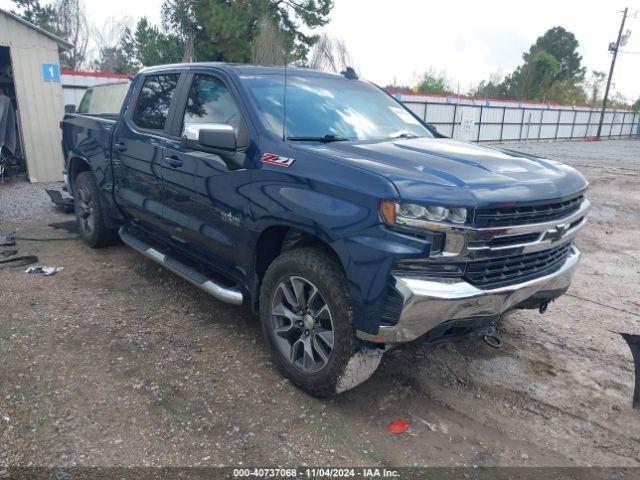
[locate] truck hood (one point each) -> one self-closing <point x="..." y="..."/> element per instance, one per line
<point x="457" y="173"/>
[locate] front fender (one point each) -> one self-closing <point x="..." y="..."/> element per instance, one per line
<point x="348" y="222"/>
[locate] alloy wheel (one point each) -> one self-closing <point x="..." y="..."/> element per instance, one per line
<point x="86" y="205"/>
<point x="302" y="324"/>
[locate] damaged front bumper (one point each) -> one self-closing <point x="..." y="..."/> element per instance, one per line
<point x="427" y="304"/>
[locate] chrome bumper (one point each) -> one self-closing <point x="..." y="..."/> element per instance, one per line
<point x="427" y="304"/>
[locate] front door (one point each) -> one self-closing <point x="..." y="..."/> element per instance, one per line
<point x="139" y="146"/>
<point x="206" y="197"/>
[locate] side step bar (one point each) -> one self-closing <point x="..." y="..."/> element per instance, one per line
<point x="220" y="292"/>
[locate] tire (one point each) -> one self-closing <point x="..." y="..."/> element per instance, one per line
<point x="301" y="271"/>
<point x="90" y="214"/>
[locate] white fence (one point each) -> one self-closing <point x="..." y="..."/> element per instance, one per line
<point x="483" y="120"/>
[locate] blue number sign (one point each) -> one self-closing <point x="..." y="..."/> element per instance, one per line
<point x="50" y="72"/>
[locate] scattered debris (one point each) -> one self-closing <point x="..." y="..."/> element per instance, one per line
<point x="63" y="203"/>
<point x="4" y="473"/>
<point x="430" y="426"/>
<point x="44" y="269"/>
<point x="7" y="241"/>
<point x="398" y="427"/>
<point x="18" y="261"/>
<point x="634" y="345"/>
<point x="491" y="338"/>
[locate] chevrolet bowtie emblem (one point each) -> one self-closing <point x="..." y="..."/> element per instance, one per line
<point x="558" y="232"/>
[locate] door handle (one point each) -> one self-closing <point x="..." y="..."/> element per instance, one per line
<point x="120" y="147"/>
<point x="175" y="162"/>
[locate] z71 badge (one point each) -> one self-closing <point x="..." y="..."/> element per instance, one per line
<point x="274" y="159"/>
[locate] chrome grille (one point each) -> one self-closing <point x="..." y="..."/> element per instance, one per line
<point x="508" y="216"/>
<point x="514" y="269"/>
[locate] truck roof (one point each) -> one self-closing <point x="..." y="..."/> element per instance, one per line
<point x="242" y="69"/>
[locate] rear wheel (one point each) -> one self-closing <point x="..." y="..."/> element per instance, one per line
<point x="307" y="320"/>
<point x="89" y="212"/>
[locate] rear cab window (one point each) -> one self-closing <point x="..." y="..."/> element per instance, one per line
<point x="104" y="99"/>
<point x="86" y="101"/>
<point x="154" y="100"/>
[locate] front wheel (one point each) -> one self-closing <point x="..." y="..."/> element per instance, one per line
<point x="307" y="320"/>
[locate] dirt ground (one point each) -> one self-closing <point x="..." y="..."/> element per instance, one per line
<point x="114" y="361"/>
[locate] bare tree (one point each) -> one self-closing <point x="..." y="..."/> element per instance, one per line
<point x="71" y="24"/>
<point x="594" y="86"/>
<point x="330" y="55"/>
<point x="107" y="39"/>
<point x="269" y="46"/>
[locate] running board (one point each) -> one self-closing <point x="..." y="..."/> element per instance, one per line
<point x="220" y="292"/>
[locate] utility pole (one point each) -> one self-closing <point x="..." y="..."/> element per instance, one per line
<point x="613" y="64"/>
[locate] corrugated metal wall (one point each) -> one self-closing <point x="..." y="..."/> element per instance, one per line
<point x="496" y="120"/>
<point x="40" y="103"/>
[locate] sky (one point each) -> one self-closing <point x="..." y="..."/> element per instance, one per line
<point x="396" y="40"/>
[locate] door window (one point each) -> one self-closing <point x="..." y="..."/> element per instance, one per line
<point x="210" y="102"/>
<point x="154" y="100"/>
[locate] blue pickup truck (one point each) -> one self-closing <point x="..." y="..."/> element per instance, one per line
<point x="326" y="206"/>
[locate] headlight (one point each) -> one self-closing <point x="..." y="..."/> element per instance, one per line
<point x="414" y="215"/>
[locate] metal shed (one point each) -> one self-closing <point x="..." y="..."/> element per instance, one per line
<point x="30" y="76"/>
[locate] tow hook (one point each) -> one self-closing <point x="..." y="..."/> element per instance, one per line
<point x="543" y="307"/>
<point x="490" y="337"/>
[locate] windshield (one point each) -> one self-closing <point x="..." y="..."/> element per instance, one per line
<point x="325" y="107"/>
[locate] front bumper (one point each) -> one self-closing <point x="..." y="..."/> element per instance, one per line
<point x="429" y="303"/>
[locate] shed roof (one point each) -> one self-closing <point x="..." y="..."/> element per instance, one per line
<point x="63" y="43"/>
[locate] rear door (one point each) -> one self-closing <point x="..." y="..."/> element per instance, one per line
<point x="206" y="195"/>
<point x="139" y="143"/>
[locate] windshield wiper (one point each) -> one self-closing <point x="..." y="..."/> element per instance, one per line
<point x="325" y="139"/>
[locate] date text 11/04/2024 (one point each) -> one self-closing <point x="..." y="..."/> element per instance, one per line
<point x="315" y="473"/>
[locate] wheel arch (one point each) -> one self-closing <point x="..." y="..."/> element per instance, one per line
<point x="278" y="238"/>
<point x="77" y="164"/>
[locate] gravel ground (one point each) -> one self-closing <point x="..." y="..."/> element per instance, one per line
<point x="21" y="200"/>
<point x="114" y="361"/>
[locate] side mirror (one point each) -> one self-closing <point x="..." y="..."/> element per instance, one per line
<point x="69" y="108"/>
<point x="217" y="137"/>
